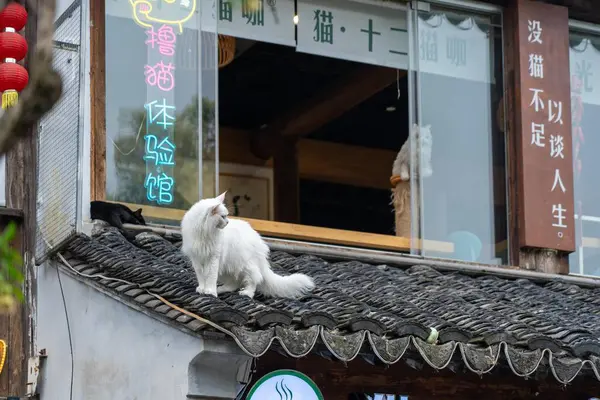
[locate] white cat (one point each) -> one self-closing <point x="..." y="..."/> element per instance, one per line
<point x="234" y="254"/>
<point x="401" y="165"/>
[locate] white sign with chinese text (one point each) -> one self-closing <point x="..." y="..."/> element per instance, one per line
<point x="269" y="21"/>
<point x="354" y="31"/>
<point x="584" y="62"/>
<point x="379" y="35"/>
<point x="460" y="51"/>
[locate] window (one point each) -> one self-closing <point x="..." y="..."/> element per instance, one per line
<point x="306" y="104"/>
<point x="160" y="131"/>
<point x="585" y="104"/>
<point x="462" y="195"/>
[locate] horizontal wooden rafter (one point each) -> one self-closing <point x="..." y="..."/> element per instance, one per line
<point x="332" y="102"/>
<point x="312" y="233"/>
<point x="327" y="161"/>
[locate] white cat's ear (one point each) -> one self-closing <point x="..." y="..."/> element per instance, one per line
<point x="221" y="197"/>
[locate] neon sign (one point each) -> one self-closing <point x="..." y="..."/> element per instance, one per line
<point x="159" y="75"/>
<point x="144" y="16"/>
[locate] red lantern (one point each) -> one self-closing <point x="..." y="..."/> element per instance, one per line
<point x="13" y="76"/>
<point x="13" y="47"/>
<point x="13" y="16"/>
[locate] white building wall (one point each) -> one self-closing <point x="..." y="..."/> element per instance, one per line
<point x="120" y="353"/>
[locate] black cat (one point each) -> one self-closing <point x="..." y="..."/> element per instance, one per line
<point x="116" y="215"/>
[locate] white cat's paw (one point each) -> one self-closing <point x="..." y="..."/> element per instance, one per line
<point x="246" y="292"/>
<point x="404" y="175"/>
<point x="202" y="290"/>
<point x="225" y="289"/>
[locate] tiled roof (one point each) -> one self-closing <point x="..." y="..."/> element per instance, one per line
<point x="375" y="312"/>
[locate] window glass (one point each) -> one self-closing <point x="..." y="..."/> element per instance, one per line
<point x="306" y="110"/>
<point x="585" y="106"/>
<point x="153" y="86"/>
<point x="460" y="170"/>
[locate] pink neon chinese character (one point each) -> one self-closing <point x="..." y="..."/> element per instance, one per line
<point x="160" y="75"/>
<point x="165" y="39"/>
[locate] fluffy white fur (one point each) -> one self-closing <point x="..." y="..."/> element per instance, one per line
<point x="401" y="165"/>
<point x="232" y="253"/>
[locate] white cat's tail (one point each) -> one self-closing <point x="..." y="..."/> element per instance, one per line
<point x="291" y="286"/>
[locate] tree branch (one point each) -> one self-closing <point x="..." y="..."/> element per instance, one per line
<point x="45" y="84"/>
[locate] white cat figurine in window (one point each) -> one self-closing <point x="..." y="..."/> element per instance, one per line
<point x="401" y="165"/>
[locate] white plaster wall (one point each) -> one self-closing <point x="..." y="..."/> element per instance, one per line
<point x="119" y="353"/>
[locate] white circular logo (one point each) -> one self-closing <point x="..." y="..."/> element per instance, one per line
<point x="285" y="384"/>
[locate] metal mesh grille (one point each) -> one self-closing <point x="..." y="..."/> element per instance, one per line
<point x="58" y="143"/>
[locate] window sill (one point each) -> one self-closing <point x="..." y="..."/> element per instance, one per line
<point x="283" y="230"/>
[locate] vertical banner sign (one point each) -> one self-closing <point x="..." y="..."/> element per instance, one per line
<point x="545" y="156"/>
<point x="162" y="23"/>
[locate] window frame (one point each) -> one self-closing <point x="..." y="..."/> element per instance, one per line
<point x="584" y="28"/>
<point x="96" y="176"/>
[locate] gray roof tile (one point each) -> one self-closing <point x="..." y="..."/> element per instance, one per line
<point x="364" y="309"/>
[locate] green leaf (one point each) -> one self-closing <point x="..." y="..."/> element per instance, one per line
<point x="18" y="293"/>
<point x="9" y="232"/>
<point x="15" y="274"/>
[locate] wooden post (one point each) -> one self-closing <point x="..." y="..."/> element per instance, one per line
<point x="98" y="99"/>
<point x="13" y="374"/>
<point x="21" y="196"/>
<point x="538" y="111"/>
<point x="286" y="180"/>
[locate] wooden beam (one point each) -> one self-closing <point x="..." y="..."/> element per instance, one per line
<point x="316" y="234"/>
<point x="343" y="237"/>
<point x="341" y="96"/>
<point x="98" y="99"/>
<point x="318" y="160"/>
<point x="286" y="181"/>
<point x="327" y="161"/>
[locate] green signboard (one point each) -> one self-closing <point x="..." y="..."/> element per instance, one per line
<point x="285" y="384"/>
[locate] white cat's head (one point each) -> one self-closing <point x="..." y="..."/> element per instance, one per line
<point x="218" y="212"/>
<point x="425" y="135"/>
<point x="210" y="213"/>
